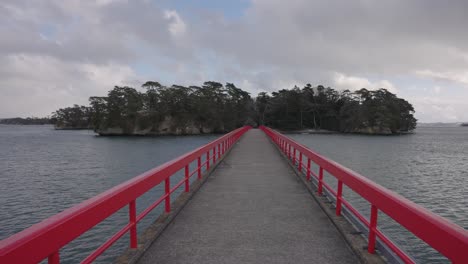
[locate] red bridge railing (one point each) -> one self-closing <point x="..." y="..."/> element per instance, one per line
<point x="45" y="239"/>
<point x="444" y="236"/>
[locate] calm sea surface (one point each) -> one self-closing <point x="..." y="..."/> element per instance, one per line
<point x="429" y="167"/>
<point x="43" y="172"/>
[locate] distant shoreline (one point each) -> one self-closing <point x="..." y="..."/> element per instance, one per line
<point x="17" y="124"/>
<point x="26" y="121"/>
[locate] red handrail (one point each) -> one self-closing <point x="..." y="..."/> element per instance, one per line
<point x="45" y="239"/>
<point x="444" y="236"/>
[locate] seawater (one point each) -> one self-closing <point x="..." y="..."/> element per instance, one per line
<point x="44" y="171"/>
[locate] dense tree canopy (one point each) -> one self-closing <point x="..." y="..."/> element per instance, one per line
<point x="362" y="111"/>
<point x="73" y="117"/>
<point x="214" y="107"/>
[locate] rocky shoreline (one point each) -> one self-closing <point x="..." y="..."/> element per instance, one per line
<point x="308" y="131"/>
<point x="151" y="132"/>
<point x="72" y="128"/>
<point x="363" y="131"/>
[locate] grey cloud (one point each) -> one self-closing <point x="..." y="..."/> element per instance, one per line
<point x="274" y="45"/>
<point x="350" y="36"/>
<point x="84" y="31"/>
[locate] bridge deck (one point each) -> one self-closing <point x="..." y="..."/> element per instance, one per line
<point x="252" y="209"/>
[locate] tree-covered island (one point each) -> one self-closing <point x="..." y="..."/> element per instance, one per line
<point x="27" y="121"/>
<point x="217" y="108"/>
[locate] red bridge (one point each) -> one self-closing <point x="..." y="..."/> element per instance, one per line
<point x="259" y="197"/>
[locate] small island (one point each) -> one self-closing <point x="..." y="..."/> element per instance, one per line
<point x="27" y="121"/>
<point x="217" y="108"/>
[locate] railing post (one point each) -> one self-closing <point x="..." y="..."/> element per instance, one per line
<point x="54" y="258"/>
<point x="289" y="151"/>
<point x="372" y="229"/>
<point x="199" y="168"/>
<point x="294" y="157"/>
<point x="320" y="183"/>
<point x="300" y="161"/>
<point x="208" y="160"/>
<point x="339" y="194"/>
<point x="214" y="155"/>
<point x="167" y="189"/>
<point x="308" y="169"/>
<point x="187" y="179"/>
<point x="219" y="151"/>
<point x="132" y="220"/>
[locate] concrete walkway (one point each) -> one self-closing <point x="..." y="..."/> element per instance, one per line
<point x="252" y="209"/>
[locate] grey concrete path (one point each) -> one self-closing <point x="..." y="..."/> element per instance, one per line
<point x="252" y="209"/>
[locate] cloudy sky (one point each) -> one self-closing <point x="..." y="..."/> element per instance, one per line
<point x="55" y="53"/>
